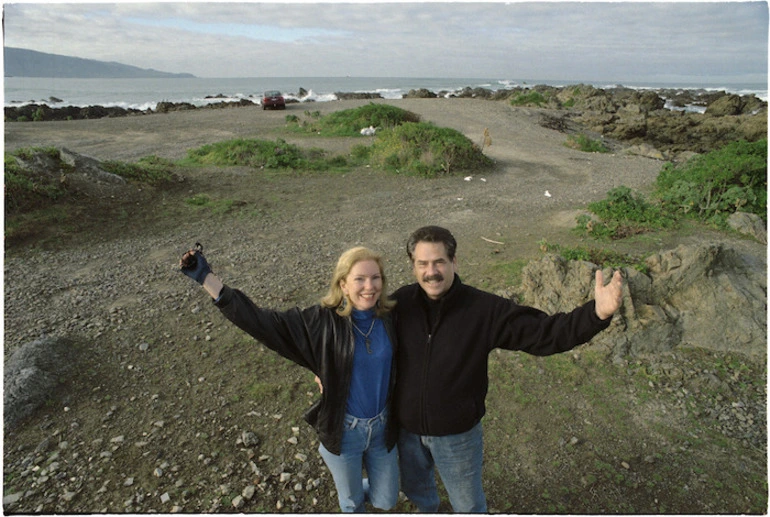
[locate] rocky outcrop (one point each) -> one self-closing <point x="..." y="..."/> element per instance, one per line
<point x="704" y="296"/>
<point x="74" y="171"/>
<point x="344" y="96"/>
<point x="748" y="224"/>
<point x="32" y="373"/>
<point x="420" y="93"/>
<point x="41" y="112"/>
<point x="652" y="121"/>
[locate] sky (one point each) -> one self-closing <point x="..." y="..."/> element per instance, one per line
<point x="596" y="41"/>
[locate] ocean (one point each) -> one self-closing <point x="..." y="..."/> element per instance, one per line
<point x="144" y="94"/>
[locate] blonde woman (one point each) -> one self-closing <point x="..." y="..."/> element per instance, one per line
<point x="349" y="343"/>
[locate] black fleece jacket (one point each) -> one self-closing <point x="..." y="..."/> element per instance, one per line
<point x="318" y="339"/>
<point x="442" y="368"/>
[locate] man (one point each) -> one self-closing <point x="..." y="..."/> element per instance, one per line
<point x="446" y="331"/>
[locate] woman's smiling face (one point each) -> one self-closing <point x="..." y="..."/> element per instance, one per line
<point x="363" y="285"/>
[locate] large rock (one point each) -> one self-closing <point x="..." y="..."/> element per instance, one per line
<point x="89" y="168"/>
<point x="749" y="224"/>
<point x="698" y="296"/>
<point x="32" y="374"/>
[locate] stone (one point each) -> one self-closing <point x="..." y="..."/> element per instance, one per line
<point x="688" y="298"/>
<point x="32" y="373"/>
<point x="748" y="224"/>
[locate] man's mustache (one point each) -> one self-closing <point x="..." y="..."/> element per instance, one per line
<point x="438" y="277"/>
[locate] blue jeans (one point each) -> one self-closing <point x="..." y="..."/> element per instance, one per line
<point x="458" y="458"/>
<point x="363" y="445"/>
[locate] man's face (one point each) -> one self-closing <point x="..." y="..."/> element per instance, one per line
<point x="433" y="268"/>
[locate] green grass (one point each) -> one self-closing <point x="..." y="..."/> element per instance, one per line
<point x="423" y="149"/>
<point x="216" y="206"/>
<point x="27" y="190"/>
<point x="624" y="213"/>
<point x="708" y="188"/>
<point x="712" y="186"/>
<point x="262" y="154"/>
<point x="586" y="144"/>
<point x="350" y="122"/>
<point x="150" y="169"/>
<point x="601" y="257"/>
<point x="529" y="99"/>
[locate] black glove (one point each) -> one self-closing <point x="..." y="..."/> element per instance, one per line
<point x="194" y="265"/>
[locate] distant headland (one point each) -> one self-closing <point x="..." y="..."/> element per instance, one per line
<point x="21" y="62"/>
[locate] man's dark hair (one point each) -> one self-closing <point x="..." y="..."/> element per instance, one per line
<point x="432" y="234"/>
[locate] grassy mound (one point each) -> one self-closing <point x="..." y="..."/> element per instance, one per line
<point x="423" y="149"/>
<point x="350" y="122"/>
<point x="261" y="154"/>
<point x="27" y="188"/>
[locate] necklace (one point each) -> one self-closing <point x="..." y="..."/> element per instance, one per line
<point x="367" y="341"/>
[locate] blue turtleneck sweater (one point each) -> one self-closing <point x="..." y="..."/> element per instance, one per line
<point x="371" y="366"/>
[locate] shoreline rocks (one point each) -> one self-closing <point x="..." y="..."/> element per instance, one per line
<point x="655" y="118"/>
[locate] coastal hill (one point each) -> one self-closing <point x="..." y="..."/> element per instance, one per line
<point x="21" y="62"/>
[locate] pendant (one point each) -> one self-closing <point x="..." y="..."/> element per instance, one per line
<point x="368" y="343"/>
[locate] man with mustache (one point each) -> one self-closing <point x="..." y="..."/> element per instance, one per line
<point x="446" y="331"/>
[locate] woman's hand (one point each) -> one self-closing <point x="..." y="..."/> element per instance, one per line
<point x="194" y="265"/>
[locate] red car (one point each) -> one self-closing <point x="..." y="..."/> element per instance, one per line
<point x="273" y="99"/>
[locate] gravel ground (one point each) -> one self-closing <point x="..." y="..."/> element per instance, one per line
<point x="150" y="423"/>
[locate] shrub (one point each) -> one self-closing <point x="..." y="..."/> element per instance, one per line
<point x="25" y="189"/>
<point x="350" y="122"/>
<point x="623" y="213"/>
<point x="262" y="154"/>
<point x="716" y="184"/>
<point x="586" y="144"/>
<point x="150" y="169"/>
<point x="601" y="257"/>
<point x="528" y="99"/>
<point x="248" y="152"/>
<point x="424" y="149"/>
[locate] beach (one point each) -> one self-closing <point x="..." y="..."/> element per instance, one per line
<point x="154" y="421"/>
<point x="530" y="160"/>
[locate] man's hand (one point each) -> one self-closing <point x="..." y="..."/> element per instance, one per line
<point x="320" y="386"/>
<point x="608" y="297"/>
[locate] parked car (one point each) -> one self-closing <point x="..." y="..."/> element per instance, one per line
<point x="274" y="100"/>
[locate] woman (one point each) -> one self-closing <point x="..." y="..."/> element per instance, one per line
<point x="348" y="342"/>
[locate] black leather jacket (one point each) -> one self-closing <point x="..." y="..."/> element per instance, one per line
<point x="318" y="339"/>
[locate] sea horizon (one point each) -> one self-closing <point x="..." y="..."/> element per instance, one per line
<point x="145" y="94"/>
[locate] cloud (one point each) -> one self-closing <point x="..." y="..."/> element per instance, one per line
<point x="617" y="41"/>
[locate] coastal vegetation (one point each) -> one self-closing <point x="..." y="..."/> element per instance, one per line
<point x="708" y="188"/>
<point x="712" y="186"/>
<point x="262" y="154"/>
<point x="528" y="98"/>
<point x="149" y="169"/>
<point x="350" y="122"/>
<point x="403" y="144"/>
<point x="423" y="149"/>
<point x="585" y="143"/>
<point x="602" y="257"/>
<point x="26" y="190"/>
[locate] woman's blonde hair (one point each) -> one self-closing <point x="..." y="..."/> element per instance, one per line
<point x="336" y="299"/>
